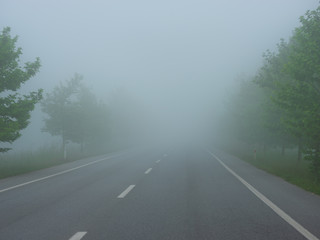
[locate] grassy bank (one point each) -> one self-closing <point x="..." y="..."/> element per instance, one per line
<point x="286" y="167"/>
<point x="15" y="163"/>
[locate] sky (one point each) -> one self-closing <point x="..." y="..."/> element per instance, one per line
<point x="178" y="58"/>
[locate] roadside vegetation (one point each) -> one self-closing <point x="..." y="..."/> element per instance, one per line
<point x="279" y="108"/>
<point x="15" y="108"/>
<point x="15" y="163"/>
<point x="12" y="163"/>
<point x="72" y="112"/>
<point x="284" y="166"/>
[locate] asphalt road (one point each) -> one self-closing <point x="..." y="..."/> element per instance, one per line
<point x="176" y="193"/>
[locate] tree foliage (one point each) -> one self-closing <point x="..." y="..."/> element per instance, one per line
<point x="304" y="67"/>
<point x="15" y="108"/>
<point x="291" y="79"/>
<point x="254" y="118"/>
<point x="74" y="113"/>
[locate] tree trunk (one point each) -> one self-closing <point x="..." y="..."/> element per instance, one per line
<point x="81" y="147"/>
<point x="64" y="150"/>
<point x="316" y="164"/>
<point x="299" y="149"/>
<point x="283" y="150"/>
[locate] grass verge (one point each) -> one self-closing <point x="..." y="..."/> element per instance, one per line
<point x="286" y="167"/>
<point x="12" y="164"/>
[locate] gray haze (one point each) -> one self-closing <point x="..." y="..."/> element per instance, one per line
<point x="178" y="59"/>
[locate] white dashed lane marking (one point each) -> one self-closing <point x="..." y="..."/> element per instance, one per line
<point x="149" y="170"/>
<point x="125" y="192"/>
<point x="78" y="236"/>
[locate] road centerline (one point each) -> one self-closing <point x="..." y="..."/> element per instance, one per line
<point x="308" y="235"/>
<point x="148" y="171"/>
<point x="125" y="192"/>
<point x="158" y="161"/>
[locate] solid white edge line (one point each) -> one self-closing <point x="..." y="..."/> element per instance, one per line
<point x="125" y="192"/>
<point x="53" y="175"/>
<point x="147" y="172"/>
<point x="270" y="204"/>
<point x="78" y="236"/>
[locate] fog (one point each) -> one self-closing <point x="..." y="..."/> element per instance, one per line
<point x="178" y="60"/>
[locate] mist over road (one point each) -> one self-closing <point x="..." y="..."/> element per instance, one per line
<point x="167" y="193"/>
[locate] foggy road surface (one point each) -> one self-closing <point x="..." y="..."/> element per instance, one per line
<point x="176" y="193"/>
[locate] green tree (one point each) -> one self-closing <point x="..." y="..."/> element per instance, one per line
<point x="250" y="115"/>
<point x="74" y="113"/>
<point x="304" y="67"/>
<point x="304" y="62"/>
<point x="293" y="74"/>
<point x="15" y="108"/>
<point x="284" y="119"/>
<point x="58" y="105"/>
<point x="90" y="120"/>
